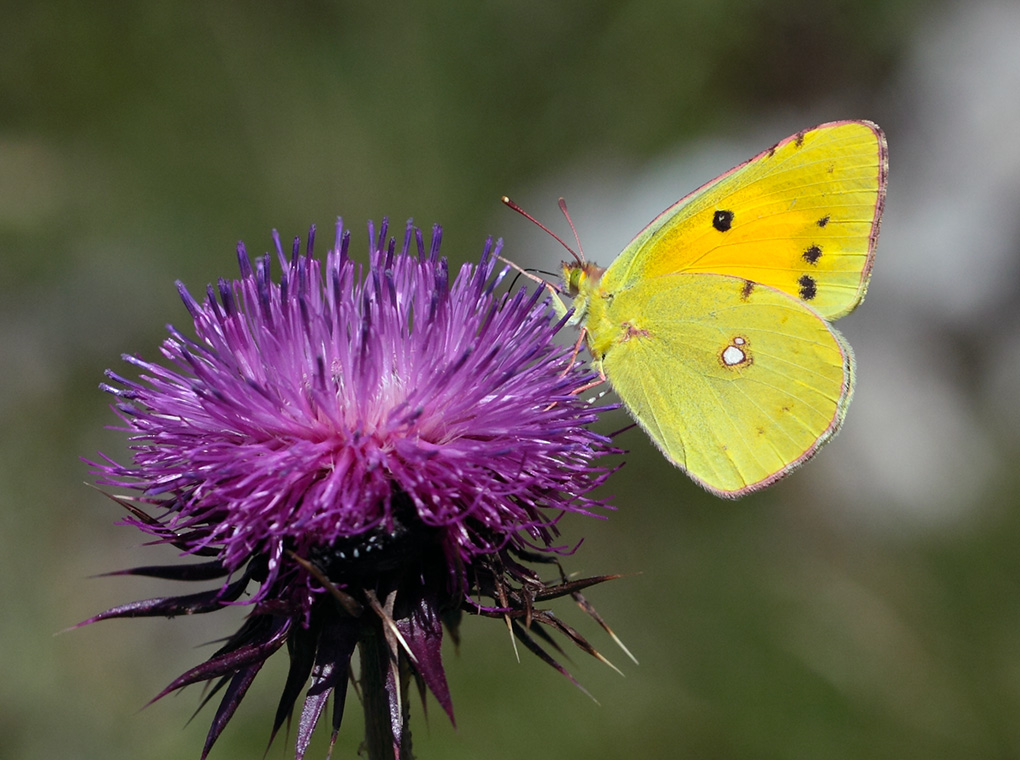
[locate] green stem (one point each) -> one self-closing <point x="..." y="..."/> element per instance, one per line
<point x="376" y="664"/>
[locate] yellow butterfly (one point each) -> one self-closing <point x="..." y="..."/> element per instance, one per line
<point x="713" y="324"/>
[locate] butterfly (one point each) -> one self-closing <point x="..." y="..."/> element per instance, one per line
<point x="713" y="324"/>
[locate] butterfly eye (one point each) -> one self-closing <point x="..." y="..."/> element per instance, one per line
<point x="574" y="275"/>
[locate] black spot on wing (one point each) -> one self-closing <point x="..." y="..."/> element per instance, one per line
<point x="746" y="291"/>
<point x="812" y="254"/>
<point x="807" y="287"/>
<point x="722" y="220"/>
<point x="798" y="139"/>
<point x="823" y="221"/>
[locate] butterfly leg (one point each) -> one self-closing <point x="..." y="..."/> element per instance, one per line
<point x="573" y="358"/>
<point x="593" y="384"/>
<point x="577" y="349"/>
<point x="583" y="333"/>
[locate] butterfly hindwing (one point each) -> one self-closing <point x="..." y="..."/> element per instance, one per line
<point x="736" y="383"/>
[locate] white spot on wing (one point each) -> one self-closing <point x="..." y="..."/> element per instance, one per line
<point x="734" y="354"/>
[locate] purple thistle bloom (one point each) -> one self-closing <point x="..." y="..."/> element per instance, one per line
<point x="376" y="452"/>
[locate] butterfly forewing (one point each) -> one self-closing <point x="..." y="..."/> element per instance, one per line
<point x="801" y="217"/>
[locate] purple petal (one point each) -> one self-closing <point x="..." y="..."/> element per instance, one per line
<point x="228" y="705"/>
<point x="228" y="661"/>
<point x="171" y="606"/>
<point x="329" y="676"/>
<point x="423" y="632"/>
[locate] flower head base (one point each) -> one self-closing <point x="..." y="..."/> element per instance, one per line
<point x="373" y="450"/>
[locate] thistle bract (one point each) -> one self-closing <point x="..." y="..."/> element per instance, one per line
<point x="361" y="453"/>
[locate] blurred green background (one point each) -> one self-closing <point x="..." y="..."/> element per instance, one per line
<point x="868" y="606"/>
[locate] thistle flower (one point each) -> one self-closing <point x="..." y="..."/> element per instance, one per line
<point x="361" y="457"/>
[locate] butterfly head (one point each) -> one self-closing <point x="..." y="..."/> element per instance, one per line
<point x="580" y="277"/>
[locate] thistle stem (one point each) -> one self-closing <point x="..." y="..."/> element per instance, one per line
<point x="381" y="678"/>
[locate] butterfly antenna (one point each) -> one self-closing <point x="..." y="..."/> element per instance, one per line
<point x="562" y="203"/>
<point x="513" y="206"/>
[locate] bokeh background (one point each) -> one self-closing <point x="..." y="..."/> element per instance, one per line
<point x="868" y="606"/>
